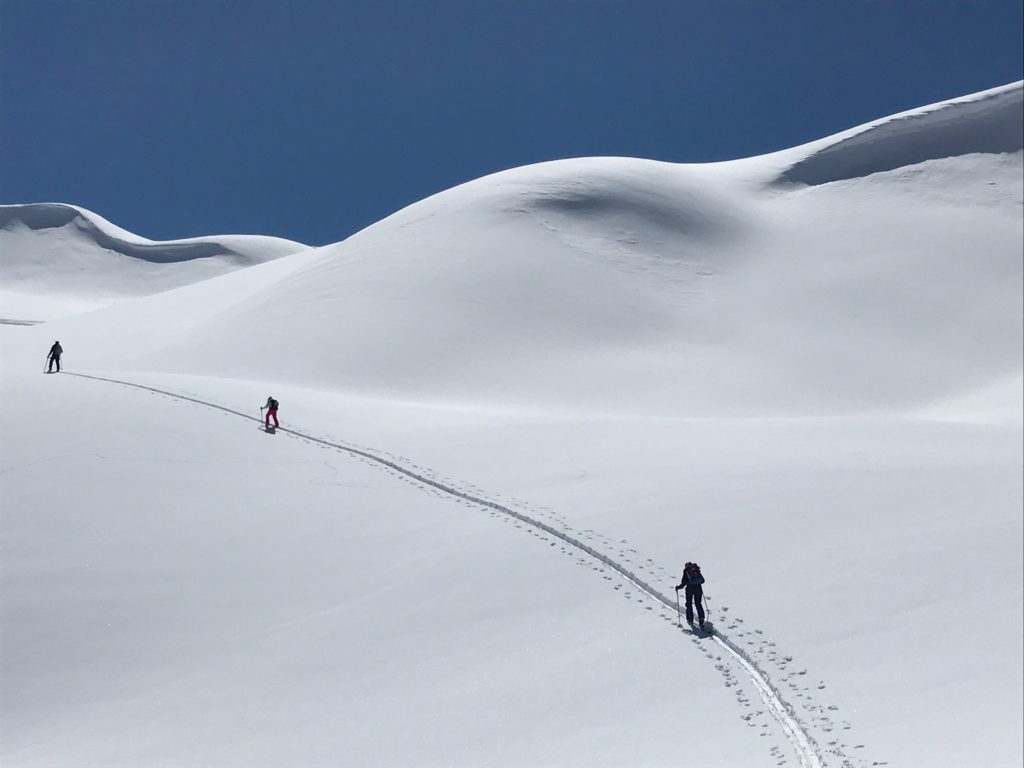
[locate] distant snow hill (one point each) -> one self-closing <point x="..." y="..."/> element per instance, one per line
<point x="878" y="268"/>
<point x="58" y="259"/>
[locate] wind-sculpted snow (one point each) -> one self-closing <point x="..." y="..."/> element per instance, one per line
<point x="992" y="122"/>
<point x="243" y="250"/>
<point x="629" y="199"/>
<point x="551" y="287"/>
<point x="43" y="217"/>
<point x="60" y="259"/>
<point x="616" y="283"/>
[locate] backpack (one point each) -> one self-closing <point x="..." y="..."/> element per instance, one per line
<point x="692" y="575"/>
<point x="273" y="404"/>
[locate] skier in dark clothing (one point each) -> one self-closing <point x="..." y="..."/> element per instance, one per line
<point x="55" y="352"/>
<point x="271" y="407"/>
<point x="693" y="580"/>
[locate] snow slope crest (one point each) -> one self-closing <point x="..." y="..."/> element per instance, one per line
<point x="628" y="285"/>
<point x="59" y="259"/>
<point x="243" y="249"/>
<point x="990" y="122"/>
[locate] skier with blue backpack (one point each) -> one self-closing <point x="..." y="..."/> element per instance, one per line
<point x="692" y="581"/>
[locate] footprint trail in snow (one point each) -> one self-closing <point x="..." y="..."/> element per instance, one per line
<point x="815" y="736"/>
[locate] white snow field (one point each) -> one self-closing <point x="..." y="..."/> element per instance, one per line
<point x="58" y="260"/>
<point x="510" y="413"/>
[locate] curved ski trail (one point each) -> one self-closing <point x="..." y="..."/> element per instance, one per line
<point x="803" y="744"/>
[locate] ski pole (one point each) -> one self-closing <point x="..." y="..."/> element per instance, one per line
<point x="706" y="606"/>
<point x="261" y="414"/>
<point x="679" y="613"/>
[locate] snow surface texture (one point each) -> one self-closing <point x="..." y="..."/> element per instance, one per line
<point x="60" y="259"/>
<point x="806" y="376"/>
<point x="988" y="123"/>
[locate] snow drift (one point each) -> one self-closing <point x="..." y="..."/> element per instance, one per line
<point x="991" y="122"/>
<point x="58" y="259"/>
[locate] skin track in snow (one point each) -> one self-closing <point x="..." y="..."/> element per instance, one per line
<point x="804" y="746"/>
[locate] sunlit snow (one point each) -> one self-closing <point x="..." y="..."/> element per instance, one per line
<point x="510" y="413"/>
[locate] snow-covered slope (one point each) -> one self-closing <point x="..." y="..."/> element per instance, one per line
<point x="60" y="259"/>
<point x="629" y="284"/>
<point x="515" y="408"/>
<point x="990" y="122"/>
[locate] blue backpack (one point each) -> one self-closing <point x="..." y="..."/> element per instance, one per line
<point x="692" y="575"/>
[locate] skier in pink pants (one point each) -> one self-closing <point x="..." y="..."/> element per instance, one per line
<point x="271" y="407"/>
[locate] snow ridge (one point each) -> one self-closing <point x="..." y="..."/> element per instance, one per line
<point x="60" y="260"/>
<point x="802" y="742"/>
<point x="990" y="122"/>
<point x="242" y="249"/>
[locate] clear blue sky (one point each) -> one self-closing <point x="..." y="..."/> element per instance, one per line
<point x="311" y="119"/>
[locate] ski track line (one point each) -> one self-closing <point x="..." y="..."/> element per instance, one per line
<point x="783" y="712"/>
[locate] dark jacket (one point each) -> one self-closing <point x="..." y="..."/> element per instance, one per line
<point x="691" y="578"/>
<point x="56" y="350"/>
